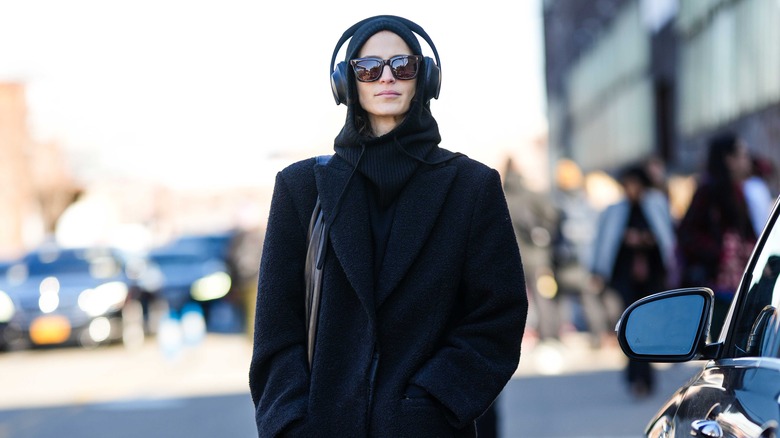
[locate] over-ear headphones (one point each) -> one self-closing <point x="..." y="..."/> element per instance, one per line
<point x="431" y="73"/>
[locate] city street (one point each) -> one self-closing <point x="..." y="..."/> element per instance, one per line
<point x="153" y="157"/>
<point x="567" y="390"/>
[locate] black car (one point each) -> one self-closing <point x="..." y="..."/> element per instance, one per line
<point x="85" y="296"/>
<point x="737" y="392"/>
<point x="7" y="307"/>
<point x="196" y="270"/>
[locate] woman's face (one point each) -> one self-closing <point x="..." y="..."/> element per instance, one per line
<point x="739" y="163"/>
<point x="633" y="188"/>
<point x="387" y="99"/>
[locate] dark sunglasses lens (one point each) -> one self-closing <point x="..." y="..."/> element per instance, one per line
<point x="404" y="67"/>
<point x="367" y="70"/>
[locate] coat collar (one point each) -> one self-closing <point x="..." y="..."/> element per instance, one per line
<point x="418" y="208"/>
<point x="419" y="205"/>
<point x="350" y="234"/>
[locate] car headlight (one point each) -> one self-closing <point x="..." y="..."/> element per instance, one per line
<point x="7" y="308"/>
<point x="104" y="298"/>
<point x="211" y="287"/>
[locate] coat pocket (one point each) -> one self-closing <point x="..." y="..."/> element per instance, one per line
<point x="423" y="417"/>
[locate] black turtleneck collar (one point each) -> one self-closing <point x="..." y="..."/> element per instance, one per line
<point x="390" y="160"/>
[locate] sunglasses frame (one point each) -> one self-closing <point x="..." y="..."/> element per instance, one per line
<point x="386" y="62"/>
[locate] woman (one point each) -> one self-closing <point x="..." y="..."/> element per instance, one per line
<point x="634" y="254"/>
<point x="716" y="236"/>
<point x="423" y="298"/>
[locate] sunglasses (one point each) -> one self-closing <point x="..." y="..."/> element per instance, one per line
<point x="403" y="67"/>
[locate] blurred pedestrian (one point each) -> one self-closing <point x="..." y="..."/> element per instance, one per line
<point x="633" y="252"/>
<point x="716" y="235"/>
<point x="655" y="167"/>
<point x="535" y="219"/>
<point x="243" y="261"/>
<point x="571" y="250"/>
<point x="423" y="300"/>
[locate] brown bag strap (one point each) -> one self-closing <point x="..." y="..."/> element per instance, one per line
<point x="313" y="273"/>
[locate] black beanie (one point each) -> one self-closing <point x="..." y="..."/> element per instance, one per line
<point x="377" y="24"/>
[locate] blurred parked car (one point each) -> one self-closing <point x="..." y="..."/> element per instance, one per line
<point x="85" y="296"/>
<point x="6" y="305"/>
<point x="195" y="269"/>
<point x="736" y="393"/>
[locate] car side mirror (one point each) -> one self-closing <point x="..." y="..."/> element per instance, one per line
<point x="668" y="326"/>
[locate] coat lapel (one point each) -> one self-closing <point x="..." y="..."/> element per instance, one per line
<point x="350" y="234"/>
<point x="418" y="208"/>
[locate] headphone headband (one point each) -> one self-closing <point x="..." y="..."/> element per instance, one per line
<point x="416" y="28"/>
<point x="338" y="73"/>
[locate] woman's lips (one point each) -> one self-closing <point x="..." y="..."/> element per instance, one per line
<point x="388" y="93"/>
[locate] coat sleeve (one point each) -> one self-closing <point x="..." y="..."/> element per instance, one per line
<point x="596" y="265"/>
<point x="655" y="206"/>
<point x="482" y="350"/>
<point x="610" y="226"/>
<point x="278" y="373"/>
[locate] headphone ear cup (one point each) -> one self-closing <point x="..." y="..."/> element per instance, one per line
<point x="338" y="83"/>
<point x="432" y="77"/>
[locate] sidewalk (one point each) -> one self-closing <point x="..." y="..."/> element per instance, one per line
<point x="219" y="365"/>
<point x="573" y="353"/>
<point x="76" y="376"/>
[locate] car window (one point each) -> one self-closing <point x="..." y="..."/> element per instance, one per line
<point x="97" y="264"/>
<point x="758" y="311"/>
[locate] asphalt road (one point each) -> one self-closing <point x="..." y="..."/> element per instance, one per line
<point x="564" y="390"/>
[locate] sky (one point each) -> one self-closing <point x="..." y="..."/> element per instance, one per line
<point x="194" y="93"/>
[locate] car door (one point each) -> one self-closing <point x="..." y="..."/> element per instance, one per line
<point x="737" y="394"/>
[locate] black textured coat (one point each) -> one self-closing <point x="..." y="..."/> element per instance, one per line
<point x="446" y="314"/>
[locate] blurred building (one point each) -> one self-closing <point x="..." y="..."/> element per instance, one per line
<point x="631" y="78"/>
<point x="15" y="185"/>
<point x="35" y="185"/>
<point x="42" y="197"/>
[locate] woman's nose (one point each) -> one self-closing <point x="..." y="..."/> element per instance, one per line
<point x="387" y="75"/>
